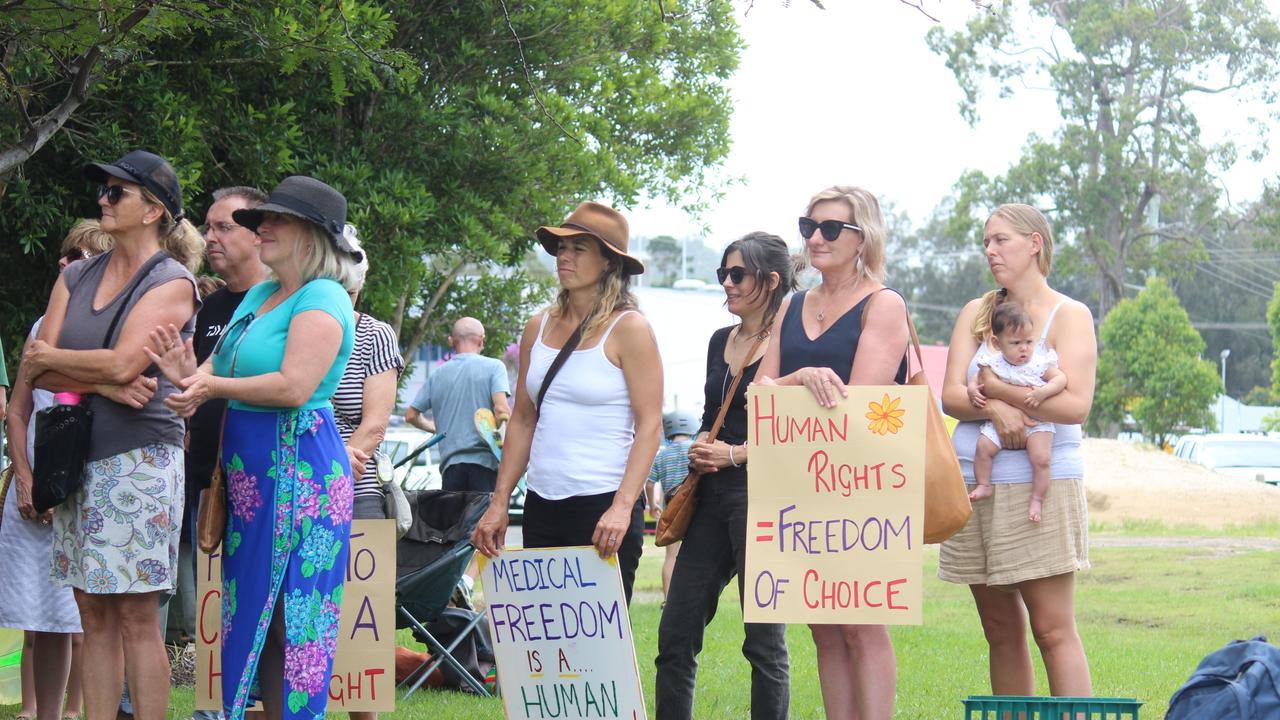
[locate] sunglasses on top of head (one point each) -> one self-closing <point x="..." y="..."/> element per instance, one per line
<point x="830" y="229"/>
<point x="113" y="193"/>
<point x="735" y="274"/>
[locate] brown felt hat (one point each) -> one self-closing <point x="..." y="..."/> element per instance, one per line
<point x="596" y="221"/>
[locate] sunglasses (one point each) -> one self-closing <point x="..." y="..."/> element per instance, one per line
<point x="831" y="229"/>
<point x="736" y="274"/>
<point x="113" y="193"/>
<point x="239" y="329"/>
<point x="75" y="254"/>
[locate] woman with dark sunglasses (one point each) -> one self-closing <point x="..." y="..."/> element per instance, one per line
<point x="756" y="273"/>
<point x="288" y="474"/>
<point x="29" y="600"/>
<point x="115" y="540"/>
<point x="844" y="331"/>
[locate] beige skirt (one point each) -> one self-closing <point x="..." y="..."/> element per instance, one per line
<point x="1000" y="546"/>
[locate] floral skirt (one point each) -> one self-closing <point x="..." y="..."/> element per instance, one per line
<point x="289" y="505"/>
<point x="119" y="532"/>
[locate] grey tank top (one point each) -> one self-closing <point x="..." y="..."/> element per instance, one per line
<point x="119" y="428"/>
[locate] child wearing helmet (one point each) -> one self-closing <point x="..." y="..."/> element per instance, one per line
<point x="670" y="468"/>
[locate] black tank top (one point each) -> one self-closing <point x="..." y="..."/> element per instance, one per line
<point x="835" y="348"/>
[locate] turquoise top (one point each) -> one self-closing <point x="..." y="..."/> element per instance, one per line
<point x="256" y="343"/>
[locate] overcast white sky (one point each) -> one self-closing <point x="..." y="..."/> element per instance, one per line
<point x="852" y="95"/>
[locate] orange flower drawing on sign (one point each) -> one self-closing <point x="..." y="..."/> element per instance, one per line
<point x="885" y="416"/>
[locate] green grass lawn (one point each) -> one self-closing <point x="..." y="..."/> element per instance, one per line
<point x="1147" y="617"/>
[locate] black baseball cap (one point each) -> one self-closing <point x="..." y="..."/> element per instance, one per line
<point x="148" y="170"/>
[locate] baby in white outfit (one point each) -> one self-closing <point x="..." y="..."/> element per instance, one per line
<point x="1016" y="357"/>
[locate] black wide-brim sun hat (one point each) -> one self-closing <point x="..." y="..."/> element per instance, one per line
<point x="146" y="169"/>
<point x="309" y="199"/>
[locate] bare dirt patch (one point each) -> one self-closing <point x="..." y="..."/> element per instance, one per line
<point x="1126" y="481"/>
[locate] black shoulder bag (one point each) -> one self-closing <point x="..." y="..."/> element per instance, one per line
<point x="63" y="432"/>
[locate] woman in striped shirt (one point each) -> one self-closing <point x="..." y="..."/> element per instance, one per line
<point x="366" y="395"/>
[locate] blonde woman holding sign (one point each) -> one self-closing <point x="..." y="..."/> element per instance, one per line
<point x="844" y="332"/>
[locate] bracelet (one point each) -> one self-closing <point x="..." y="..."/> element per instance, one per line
<point x="731" y="460"/>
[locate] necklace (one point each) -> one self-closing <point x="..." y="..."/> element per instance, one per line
<point x="822" y="312"/>
<point x="746" y="361"/>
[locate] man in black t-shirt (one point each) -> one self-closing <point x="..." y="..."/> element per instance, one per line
<point x="233" y="254"/>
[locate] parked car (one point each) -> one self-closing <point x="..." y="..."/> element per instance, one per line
<point x="423" y="473"/>
<point x="1239" y="455"/>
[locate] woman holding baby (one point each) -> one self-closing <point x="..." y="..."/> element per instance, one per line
<point x="1020" y="568"/>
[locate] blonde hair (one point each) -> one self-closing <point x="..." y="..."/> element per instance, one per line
<point x="864" y="211"/>
<point x="323" y="260"/>
<point x="613" y="294"/>
<point x="179" y="238"/>
<point x="209" y="284"/>
<point x="1027" y="221"/>
<point x="87" y="235"/>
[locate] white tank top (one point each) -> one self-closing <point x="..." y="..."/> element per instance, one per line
<point x="1013" y="466"/>
<point x="586" y="427"/>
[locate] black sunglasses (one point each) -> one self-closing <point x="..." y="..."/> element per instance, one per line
<point x="736" y="274"/>
<point x="75" y="254"/>
<point x="831" y="229"/>
<point x="113" y="193"/>
<point x="238" y="328"/>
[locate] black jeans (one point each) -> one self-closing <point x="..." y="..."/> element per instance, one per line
<point x="713" y="551"/>
<point x="572" y="521"/>
<point x="469" y="477"/>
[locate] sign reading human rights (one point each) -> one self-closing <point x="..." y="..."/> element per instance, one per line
<point x="835" y="506"/>
<point x="363" y="676"/>
<point x="561" y="635"/>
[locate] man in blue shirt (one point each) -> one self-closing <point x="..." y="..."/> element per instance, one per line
<point x="453" y="392"/>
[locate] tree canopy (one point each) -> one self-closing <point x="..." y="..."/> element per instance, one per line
<point x="453" y="128"/>
<point x="1127" y="176"/>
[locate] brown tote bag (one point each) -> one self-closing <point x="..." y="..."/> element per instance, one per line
<point x="946" y="499"/>
<point x="211" y="522"/>
<point x="678" y="513"/>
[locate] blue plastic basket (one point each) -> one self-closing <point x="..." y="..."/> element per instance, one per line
<point x="1014" y="707"/>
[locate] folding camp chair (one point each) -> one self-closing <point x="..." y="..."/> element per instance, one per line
<point x="430" y="561"/>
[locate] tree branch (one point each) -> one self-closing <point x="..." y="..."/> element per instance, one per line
<point x="918" y="5"/>
<point x="420" y="327"/>
<point x="49" y="123"/>
<point x="17" y="97"/>
<point x="529" y="76"/>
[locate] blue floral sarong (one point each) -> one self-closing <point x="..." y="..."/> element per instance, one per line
<point x="289" y="503"/>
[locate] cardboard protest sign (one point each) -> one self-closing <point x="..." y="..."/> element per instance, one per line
<point x="562" y="635"/>
<point x="835" y="506"/>
<point x="363" y="676"/>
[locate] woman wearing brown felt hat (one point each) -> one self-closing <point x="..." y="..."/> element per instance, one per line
<point x="587" y="419"/>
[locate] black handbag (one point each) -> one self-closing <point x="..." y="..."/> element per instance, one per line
<point x="63" y="432"/>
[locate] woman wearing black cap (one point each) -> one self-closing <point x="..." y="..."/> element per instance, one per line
<point x="289" y="486"/>
<point x="115" y="541"/>
<point x="588" y="434"/>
